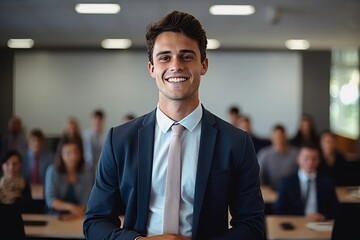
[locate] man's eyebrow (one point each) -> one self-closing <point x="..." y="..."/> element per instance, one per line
<point x="181" y="51"/>
<point x="162" y="53"/>
<point x="188" y="51"/>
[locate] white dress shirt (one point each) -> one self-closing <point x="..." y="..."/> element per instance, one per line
<point x="311" y="204"/>
<point x="190" y="151"/>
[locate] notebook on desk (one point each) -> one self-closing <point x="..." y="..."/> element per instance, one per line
<point x="35" y="222"/>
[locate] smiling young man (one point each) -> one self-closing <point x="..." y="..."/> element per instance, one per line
<point x="219" y="168"/>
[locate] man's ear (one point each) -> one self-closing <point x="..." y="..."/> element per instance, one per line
<point x="151" y="69"/>
<point x="204" y="66"/>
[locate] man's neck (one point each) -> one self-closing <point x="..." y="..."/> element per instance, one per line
<point x="177" y="110"/>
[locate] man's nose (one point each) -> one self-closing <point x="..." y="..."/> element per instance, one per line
<point x="176" y="65"/>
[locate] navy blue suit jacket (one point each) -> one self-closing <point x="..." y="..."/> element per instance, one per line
<point x="290" y="202"/>
<point x="227" y="179"/>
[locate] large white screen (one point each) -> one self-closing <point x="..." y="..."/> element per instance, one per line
<point x="50" y="86"/>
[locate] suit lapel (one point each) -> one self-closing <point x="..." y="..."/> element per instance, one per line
<point x="146" y="148"/>
<point x="207" y="143"/>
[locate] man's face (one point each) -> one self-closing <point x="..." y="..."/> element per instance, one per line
<point x="278" y="138"/>
<point x="308" y="160"/>
<point x="177" y="67"/>
<point x="35" y="144"/>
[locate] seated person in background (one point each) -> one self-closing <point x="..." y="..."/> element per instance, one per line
<point x="68" y="182"/>
<point x="332" y="160"/>
<point x="259" y="143"/>
<point x="93" y="139"/>
<point x="234" y="115"/>
<point x="37" y="158"/>
<point x="72" y="130"/>
<point x="15" y="137"/>
<point x="308" y="192"/>
<point x="306" y="132"/>
<point x="128" y="117"/>
<point x="277" y="160"/>
<point x="13" y="187"/>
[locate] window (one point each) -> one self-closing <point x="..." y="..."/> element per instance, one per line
<point x="344" y="93"/>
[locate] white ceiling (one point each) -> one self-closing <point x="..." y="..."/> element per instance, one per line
<point x="55" y="24"/>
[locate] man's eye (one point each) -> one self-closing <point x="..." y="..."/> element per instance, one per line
<point x="188" y="57"/>
<point x="164" y="58"/>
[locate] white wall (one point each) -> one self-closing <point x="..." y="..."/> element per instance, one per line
<point x="50" y="86"/>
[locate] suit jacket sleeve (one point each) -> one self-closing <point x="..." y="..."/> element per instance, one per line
<point x="105" y="202"/>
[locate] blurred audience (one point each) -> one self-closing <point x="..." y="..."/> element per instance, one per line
<point x="68" y="182"/>
<point x="306" y="133"/>
<point x="277" y="160"/>
<point x="13" y="187"/>
<point x="93" y="139"/>
<point x="308" y="192"/>
<point x="37" y="158"/>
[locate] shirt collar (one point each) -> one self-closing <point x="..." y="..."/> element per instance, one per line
<point x="304" y="176"/>
<point x="189" y="122"/>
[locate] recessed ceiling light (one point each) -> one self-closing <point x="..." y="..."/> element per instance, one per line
<point x="232" y="10"/>
<point x="97" y="8"/>
<point x="20" y="43"/>
<point x="116" y="43"/>
<point x="213" y="44"/>
<point x="297" y="44"/>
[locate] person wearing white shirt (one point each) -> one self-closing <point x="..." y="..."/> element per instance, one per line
<point x="308" y="192"/>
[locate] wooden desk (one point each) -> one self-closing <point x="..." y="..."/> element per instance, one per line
<point x="269" y="195"/>
<point x="54" y="228"/>
<point x="275" y="232"/>
<point x="342" y="192"/>
<point x="344" y="195"/>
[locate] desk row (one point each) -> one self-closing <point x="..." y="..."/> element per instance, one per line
<point x="49" y="226"/>
<point x="345" y="194"/>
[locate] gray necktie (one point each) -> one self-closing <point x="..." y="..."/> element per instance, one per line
<point x="307" y="191"/>
<point x="173" y="183"/>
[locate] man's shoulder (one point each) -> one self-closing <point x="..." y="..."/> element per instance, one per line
<point x="135" y="124"/>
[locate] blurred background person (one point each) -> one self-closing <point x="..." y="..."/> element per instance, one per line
<point x="13" y="187"/>
<point x="93" y="139"/>
<point x="234" y="115"/>
<point x="277" y="160"/>
<point x="37" y="158"/>
<point x="15" y="137"/>
<point x="245" y="124"/>
<point x="71" y="130"/>
<point x="128" y="117"/>
<point x="306" y="133"/>
<point x="68" y="182"/>
<point x="308" y="192"/>
<point x="332" y="160"/>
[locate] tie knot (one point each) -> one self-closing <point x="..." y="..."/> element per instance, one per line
<point x="177" y="129"/>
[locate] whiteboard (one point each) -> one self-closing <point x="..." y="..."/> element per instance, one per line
<point x="51" y="86"/>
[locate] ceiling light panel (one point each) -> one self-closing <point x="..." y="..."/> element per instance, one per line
<point x="20" y="43"/>
<point x="297" y="44"/>
<point x="97" y="8"/>
<point x="116" y="43"/>
<point x="213" y="44"/>
<point x="232" y="10"/>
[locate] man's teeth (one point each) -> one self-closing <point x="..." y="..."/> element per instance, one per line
<point x="176" y="79"/>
